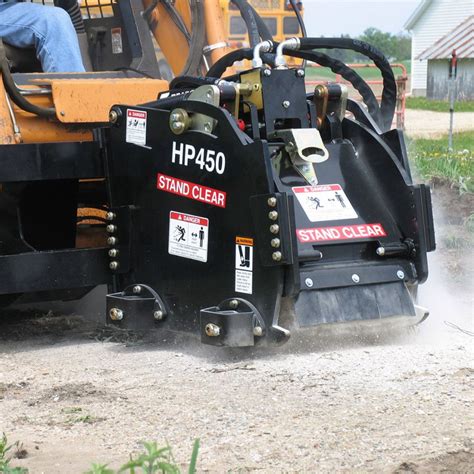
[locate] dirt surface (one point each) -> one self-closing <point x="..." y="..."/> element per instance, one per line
<point x="428" y="124"/>
<point x="74" y="393"/>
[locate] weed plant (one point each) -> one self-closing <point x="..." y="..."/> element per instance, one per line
<point x="6" y="454"/>
<point x="433" y="160"/>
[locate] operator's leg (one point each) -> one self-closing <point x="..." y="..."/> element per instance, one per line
<point x="48" y="29"/>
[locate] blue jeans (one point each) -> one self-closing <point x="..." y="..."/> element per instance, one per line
<point x="48" y="29"/>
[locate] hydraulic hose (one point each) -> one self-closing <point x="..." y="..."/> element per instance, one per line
<point x="183" y="82"/>
<point x="74" y="11"/>
<point x="250" y="20"/>
<point x="263" y="31"/>
<point x="198" y="39"/>
<point x="15" y="94"/>
<point x="299" y="18"/>
<point x="220" y="66"/>
<point x="336" y="66"/>
<point x="389" y="94"/>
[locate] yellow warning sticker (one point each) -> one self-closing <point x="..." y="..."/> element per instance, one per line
<point x="244" y="241"/>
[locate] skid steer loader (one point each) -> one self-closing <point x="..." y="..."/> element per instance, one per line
<point x="218" y="203"/>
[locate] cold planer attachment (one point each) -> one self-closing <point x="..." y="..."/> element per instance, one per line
<point x="233" y="197"/>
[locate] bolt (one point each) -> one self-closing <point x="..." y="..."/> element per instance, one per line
<point x="177" y="126"/>
<point x="286" y="104"/>
<point x="267" y="72"/>
<point x="137" y="289"/>
<point x="212" y="330"/>
<point x="208" y="127"/>
<point x="380" y="251"/>
<point x="158" y="315"/>
<point x="113" y="253"/>
<point x="309" y="283"/>
<point x="233" y="304"/>
<point x="273" y="215"/>
<point x="401" y="274"/>
<point x="112" y="240"/>
<point x="110" y="216"/>
<point x="113" y="116"/>
<point x="276" y="256"/>
<point x="275" y="243"/>
<point x="274" y="228"/>
<point x="113" y="265"/>
<point x="272" y="202"/>
<point x="111" y="228"/>
<point x="116" y="314"/>
<point x="355" y="278"/>
<point x="62" y="113"/>
<point x="300" y="72"/>
<point x="257" y="331"/>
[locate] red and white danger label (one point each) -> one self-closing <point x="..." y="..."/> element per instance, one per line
<point x="188" y="236"/>
<point x="344" y="232"/>
<point x="190" y="190"/>
<point x="136" y="127"/>
<point x="324" y="203"/>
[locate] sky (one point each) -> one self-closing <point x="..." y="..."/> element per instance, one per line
<point x="334" y="17"/>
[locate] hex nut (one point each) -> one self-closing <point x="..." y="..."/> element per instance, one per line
<point x="309" y="282"/>
<point x="257" y="331"/>
<point x="233" y="304"/>
<point x="111" y="228"/>
<point x="113" y="116"/>
<point x="113" y="265"/>
<point x="275" y="243"/>
<point x="112" y="240"/>
<point x="267" y="72"/>
<point x="401" y="274"/>
<point x="355" y="278"/>
<point x="116" y="314"/>
<point x="285" y="104"/>
<point x="274" y="228"/>
<point x="113" y="253"/>
<point x="272" y="202"/>
<point x="137" y="289"/>
<point x="212" y="330"/>
<point x="158" y="315"/>
<point x="273" y="215"/>
<point x="276" y="256"/>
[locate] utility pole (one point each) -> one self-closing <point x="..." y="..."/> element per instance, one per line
<point x="453" y="70"/>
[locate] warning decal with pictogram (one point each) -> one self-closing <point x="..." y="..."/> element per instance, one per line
<point x="188" y="236"/>
<point x="243" y="265"/>
<point x="325" y="203"/>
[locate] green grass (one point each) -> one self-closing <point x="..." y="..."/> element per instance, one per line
<point x="422" y="103"/>
<point x="367" y="73"/>
<point x="433" y="160"/>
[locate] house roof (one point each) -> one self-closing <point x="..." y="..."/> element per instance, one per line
<point x="415" y="16"/>
<point x="461" y="39"/>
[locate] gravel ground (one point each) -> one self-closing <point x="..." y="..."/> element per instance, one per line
<point x="427" y="124"/>
<point x="400" y="405"/>
<point x="366" y="408"/>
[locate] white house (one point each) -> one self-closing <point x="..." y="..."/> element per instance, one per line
<point x="430" y="22"/>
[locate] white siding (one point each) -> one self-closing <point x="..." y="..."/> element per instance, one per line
<point x="439" y="19"/>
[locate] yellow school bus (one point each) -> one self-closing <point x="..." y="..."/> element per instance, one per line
<point x="278" y="15"/>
